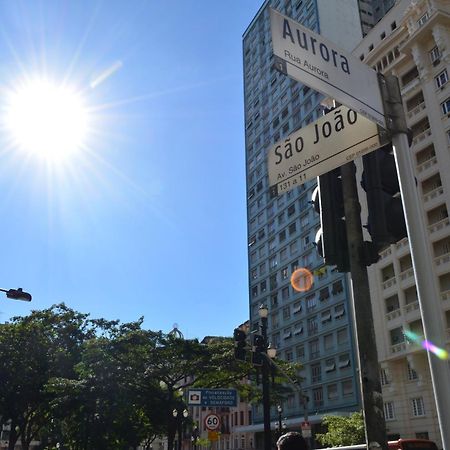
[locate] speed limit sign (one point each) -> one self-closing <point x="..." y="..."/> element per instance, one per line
<point x="212" y="422"/>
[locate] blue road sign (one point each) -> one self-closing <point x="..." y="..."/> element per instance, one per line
<point x="212" y="397"/>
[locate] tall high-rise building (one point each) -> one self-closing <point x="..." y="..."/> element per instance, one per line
<point x="312" y="327"/>
<point x="412" y="42"/>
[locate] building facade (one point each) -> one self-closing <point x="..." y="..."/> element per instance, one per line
<point x="413" y="42"/>
<point x="312" y="327"/>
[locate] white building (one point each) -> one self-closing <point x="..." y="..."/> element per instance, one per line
<point x="413" y="42"/>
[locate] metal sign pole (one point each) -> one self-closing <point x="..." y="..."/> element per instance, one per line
<point x="421" y="256"/>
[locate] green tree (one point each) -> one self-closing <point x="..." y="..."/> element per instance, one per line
<point x="343" y="430"/>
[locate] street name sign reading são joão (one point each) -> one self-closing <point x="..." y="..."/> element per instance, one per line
<point x="313" y="60"/>
<point x="331" y="141"/>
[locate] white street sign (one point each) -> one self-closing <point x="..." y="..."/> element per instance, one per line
<point x="315" y="61"/>
<point x="331" y="141"/>
<point x="212" y="422"/>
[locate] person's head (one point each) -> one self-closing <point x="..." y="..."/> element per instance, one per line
<point x="291" y="441"/>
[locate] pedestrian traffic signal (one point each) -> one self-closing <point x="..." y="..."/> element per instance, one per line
<point x="239" y="344"/>
<point x="386" y="221"/>
<point x="331" y="239"/>
<point x="259" y="350"/>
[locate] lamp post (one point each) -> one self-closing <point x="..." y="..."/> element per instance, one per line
<point x="179" y="415"/>
<point x="263" y="313"/>
<point x="17" y="294"/>
<point x="280" y="424"/>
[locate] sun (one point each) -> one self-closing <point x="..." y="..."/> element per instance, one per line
<point x="46" y="119"/>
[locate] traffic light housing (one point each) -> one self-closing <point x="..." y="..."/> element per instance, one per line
<point x="259" y="350"/>
<point x="386" y="221"/>
<point x="331" y="239"/>
<point x="239" y="344"/>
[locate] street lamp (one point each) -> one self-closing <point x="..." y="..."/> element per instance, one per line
<point x="179" y="415"/>
<point x="17" y="294"/>
<point x="280" y="425"/>
<point x="263" y="313"/>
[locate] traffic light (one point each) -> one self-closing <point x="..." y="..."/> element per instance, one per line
<point x="259" y="350"/>
<point x="331" y="239"/>
<point x="239" y="344"/>
<point x="386" y="221"/>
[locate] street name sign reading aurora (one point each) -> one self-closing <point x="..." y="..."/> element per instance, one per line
<point x="315" y="61"/>
<point x="333" y="140"/>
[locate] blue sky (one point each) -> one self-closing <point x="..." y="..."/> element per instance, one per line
<point x="151" y="220"/>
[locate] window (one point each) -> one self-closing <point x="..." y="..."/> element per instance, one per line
<point x="435" y="54"/>
<point x="418" y="408"/>
<point x="274" y="300"/>
<point x="384" y="377"/>
<point x="294" y="265"/>
<point x="254" y="274"/>
<point x="300" y="350"/>
<point x="287" y="333"/>
<point x="286" y="312"/>
<point x="284" y="273"/>
<point x="337" y="287"/>
<point x="285" y="293"/>
<point x="442" y="78"/>
<point x="316" y="373"/>
<point x="389" y="412"/>
<point x="292" y="228"/>
<point x="412" y="374"/>
<point x="262" y="268"/>
<point x="347" y="388"/>
<point x="314" y="351"/>
<point x="342" y="336"/>
<point x="312" y="326"/>
<point x="282" y="236"/>
<point x="318" y="396"/>
<point x="446" y="106"/>
<point x="393" y="25"/>
<point x="339" y="311"/>
<point x="293" y="247"/>
<point x="382" y="35"/>
<point x="330" y="365"/>
<point x="297" y="307"/>
<point x="344" y="361"/>
<point x="254" y="291"/>
<point x="332" y="391"/>
<point x="311" y="302"/>
<point x="325" y="316"/>
<point x="291" y="210"/>
<point x="324" y="294"/>
<point x="298" y="328"/>
<point x="423" y="19"/>
<point x="328" y="341"/>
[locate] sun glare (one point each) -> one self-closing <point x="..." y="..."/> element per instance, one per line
<point x="46" y="119"/>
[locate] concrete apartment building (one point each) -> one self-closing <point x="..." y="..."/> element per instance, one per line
<point x="413" y="42"/>
<point x="313" y="327"/>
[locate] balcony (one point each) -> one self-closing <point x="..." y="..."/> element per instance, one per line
<point x="421" y="136"/>
<point x="398" y="348"/>
<point x="415" y="111"/>
<point x="427" y="164"/>
<point x="393" y="314"/>
<point x="410" y="307"/>
<point x="440" y="225"/>
<point x="410" y="86"/>
<point x="389" y="282"/>
<point x="442" y="259"/>
<point x="434" y="193"/>
<point x="408" y="273"/>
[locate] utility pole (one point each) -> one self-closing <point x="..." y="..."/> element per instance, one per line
<point x="369" y="376"/>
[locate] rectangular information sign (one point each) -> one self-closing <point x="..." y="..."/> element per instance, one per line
<point x="331" y="141"/>
<point x="212" y="397"/>
<point x="315" y="61"/>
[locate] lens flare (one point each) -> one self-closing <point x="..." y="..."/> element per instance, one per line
<point x="427" y="345"/>
<point x="302" y="280"/>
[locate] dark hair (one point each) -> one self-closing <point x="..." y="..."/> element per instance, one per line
<point x="292" y="441"/>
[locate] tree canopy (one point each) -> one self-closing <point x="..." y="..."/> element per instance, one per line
<point x="343" y="430"/>
<point x="94" y="383"/>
